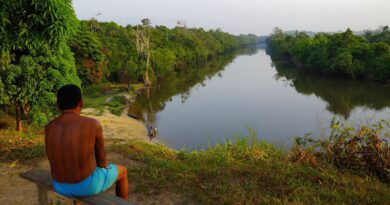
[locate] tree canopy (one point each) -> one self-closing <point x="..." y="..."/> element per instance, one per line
<point x="339" y="53"/>
<point x="35" y="58"/>
<point x="170" y="49"/>
<point x="27" y="24"/>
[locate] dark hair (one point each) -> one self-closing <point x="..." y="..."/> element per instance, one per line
<point x="68" y="97"/>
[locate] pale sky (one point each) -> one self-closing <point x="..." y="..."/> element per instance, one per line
<point x="243" y="16"/>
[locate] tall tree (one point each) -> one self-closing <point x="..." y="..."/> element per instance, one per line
<point x="142" y="42"/>
<point x="35" y="57"/>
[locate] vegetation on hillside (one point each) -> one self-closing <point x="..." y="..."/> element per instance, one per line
<point x="110" y="52"/>
<point x="344" y="54"/>
<point x="379" y="35"/>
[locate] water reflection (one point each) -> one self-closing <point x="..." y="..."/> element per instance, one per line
<point x="342" y="96"/>
<point x="207" y="104"/>
<point x="152" y="100"/>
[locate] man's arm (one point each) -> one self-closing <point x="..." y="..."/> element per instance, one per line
<point x="100" y="153"/>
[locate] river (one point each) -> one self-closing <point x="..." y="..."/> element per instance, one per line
<point x="206" y="105"/>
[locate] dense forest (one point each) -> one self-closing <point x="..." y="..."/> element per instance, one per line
<point x="345" y="54"/>
<point x="43" y="46"/>
<point x="110" y="52"/>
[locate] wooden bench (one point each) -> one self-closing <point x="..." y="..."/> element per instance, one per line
<point x="43" y="180"/>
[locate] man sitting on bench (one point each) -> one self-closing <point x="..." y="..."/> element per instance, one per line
<point x="75" y="148"/>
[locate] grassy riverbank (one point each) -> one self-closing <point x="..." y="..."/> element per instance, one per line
<point x="111" y="97"/>
<point x="351" y="167"/>
<point x="249" y="171"/>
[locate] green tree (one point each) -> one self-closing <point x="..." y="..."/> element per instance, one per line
<point x="35" y="57"/>
<point x="90" y="60"/>
<point x="142" y="42"/>
<point x="127" y="49"/>
<point x="340" y="53"/>
<point x="163" y="61"/>
<point x="22" y="83"/>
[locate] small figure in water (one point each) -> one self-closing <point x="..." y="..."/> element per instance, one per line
<point x="152" y="132"/>
<point x="75" y="148"/>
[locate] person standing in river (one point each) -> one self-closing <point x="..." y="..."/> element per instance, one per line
<point x="75" y="148"/>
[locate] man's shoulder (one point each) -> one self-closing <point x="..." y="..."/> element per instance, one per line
<point x="90" y="121"/>
<point x="48" y="125"/>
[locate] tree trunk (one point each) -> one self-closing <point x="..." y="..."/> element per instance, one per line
<point x="128" y="84"/>
<point x="146" y="77"/>
<point x="18" y="116"/>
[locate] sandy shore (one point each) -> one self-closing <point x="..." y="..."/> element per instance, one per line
<point x="118" y="127"/>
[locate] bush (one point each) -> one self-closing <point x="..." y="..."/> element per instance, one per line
<point x="363" y="150"/>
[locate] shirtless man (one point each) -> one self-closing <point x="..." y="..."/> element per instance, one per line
<point x="75" y="148"/>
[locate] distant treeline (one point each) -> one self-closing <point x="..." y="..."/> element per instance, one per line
<point x="110" y="52"/>
<point x="365" y="56"/>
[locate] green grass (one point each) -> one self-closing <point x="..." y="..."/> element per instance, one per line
<point x="247" y="171"/>
<point x="106" y="97"/>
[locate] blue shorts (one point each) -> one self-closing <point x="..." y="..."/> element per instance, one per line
<point x="99" y="181"/>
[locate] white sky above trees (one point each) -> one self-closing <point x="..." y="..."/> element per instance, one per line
<point x="243" y="16"/>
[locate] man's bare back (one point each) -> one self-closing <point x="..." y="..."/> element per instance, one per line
<point x="82" y="140"/>
<point x="75" y="148"/>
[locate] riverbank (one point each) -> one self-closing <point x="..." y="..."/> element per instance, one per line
<point x="109" y="104"/>
<point x="248" y="171"/>
<point x="241" y="171"/>
<point x="120" y="127"/>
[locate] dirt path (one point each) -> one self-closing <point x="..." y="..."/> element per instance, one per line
<point x="15" y="190"/>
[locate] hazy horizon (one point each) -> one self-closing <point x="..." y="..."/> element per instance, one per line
<point x="243" y="16"/>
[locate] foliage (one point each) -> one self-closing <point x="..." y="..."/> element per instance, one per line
<point x="365" y="149"/>
<point x="25" y="25"/>
<point x="106" y="96"/>
<point x="339" y="53"/>
<point x="170" y="49"/>
<point x="117" y="104"/>
<point x="90" y="59"/>
<point x="35" y="60"/>
<point x="380" y="35"/>
<point x="23" y="83"/>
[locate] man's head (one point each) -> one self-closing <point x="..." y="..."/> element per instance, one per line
<point x="69" y="97"/>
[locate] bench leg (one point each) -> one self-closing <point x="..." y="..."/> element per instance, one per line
<point x="42" y="195"/>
